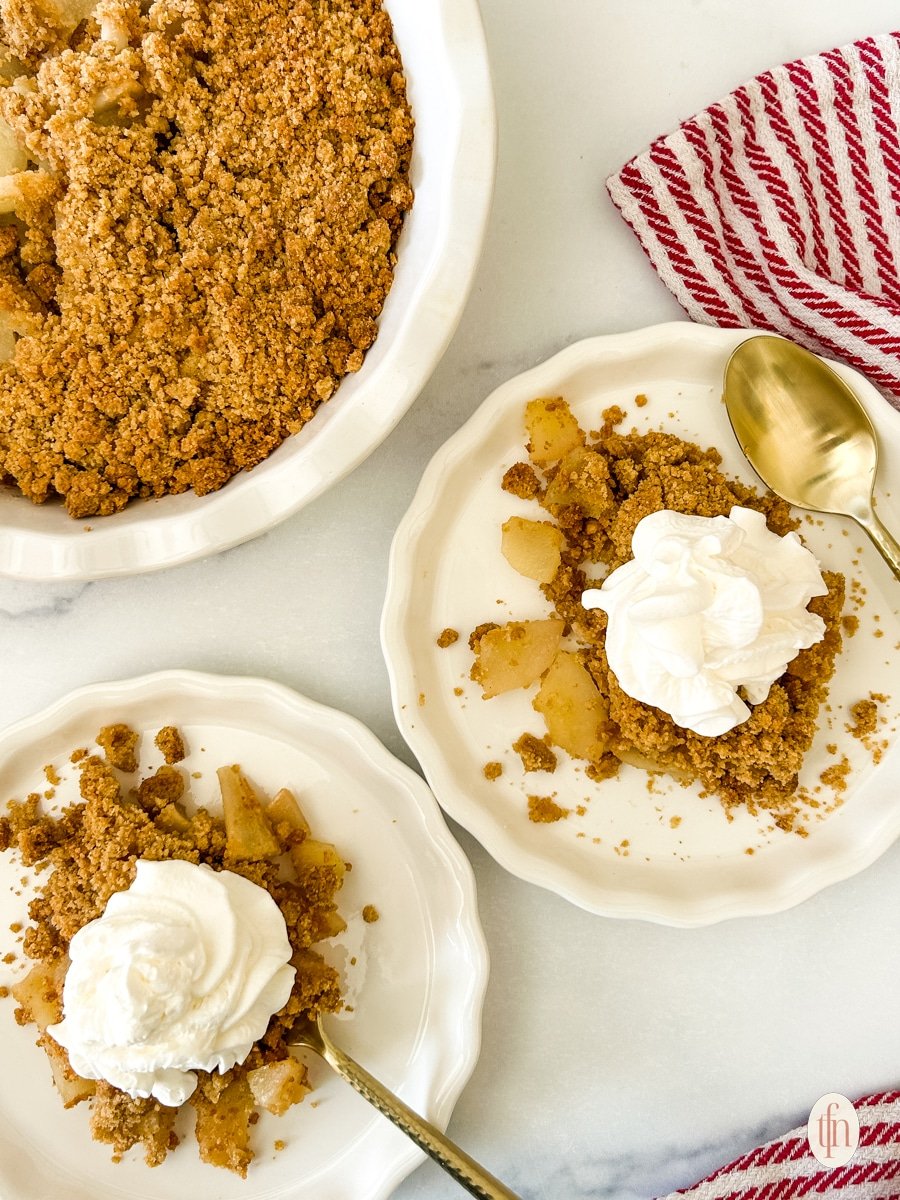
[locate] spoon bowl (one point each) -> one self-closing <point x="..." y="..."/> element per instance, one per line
<point x="805" y="433"/>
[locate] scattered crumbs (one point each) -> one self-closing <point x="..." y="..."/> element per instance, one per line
<point x="521" y="480"/>
<point x="641" y="401"/>
<point x="865" y="719"/>
<point x="279" y="1144"/>
<point x="77" y="755"/>
<point x="674" y="822"/>
<point x="421" y="699"/>
<point x="492" y="770"/>
<point x="831" y="748"/>
<point x="15" y="927"/>
<point x="447" y="637"/>
<point x="52" y="775"/>
<point x="850" y="624"/>
<point x="749" y="850"/>
<point x="4" y="992"/>
<point x="9" y="957"/>
<point x="612" y="416"/>
<point x="50" y="793"/>
<point x="580" y="834"/>
<point x="544" y="810"/>
<point x="314" y="1104"/>
<point x="580" y="811"/>
<point x="535" y="752"/>
<point x="878" y="633"/>
<point x="370" y="914"/>
<point x="196" y="774"/>
<point x="457" y="691"/>
<point x="623" y="848"/>
<point x="349" y="1008"/>
<point x="596" y="841"/>
<point x="118" y="743"/>
<point x="836" y="776"/>
<point x="606" y="768"/>
<point x="353" y="961"/>
<point x="170" y="744"/>
<point x="88" y="529"/>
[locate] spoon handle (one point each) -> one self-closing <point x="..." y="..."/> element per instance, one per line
<point x="886" y="544"/>
<point x="446" y="1154"/>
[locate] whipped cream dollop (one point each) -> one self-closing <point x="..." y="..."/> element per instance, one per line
<point x="181" y="973"/>
<point x="706" y="606"/>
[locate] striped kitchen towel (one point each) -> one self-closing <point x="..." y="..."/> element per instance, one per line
<point x="787" y="1169"/>
<point x="779" y="207"/>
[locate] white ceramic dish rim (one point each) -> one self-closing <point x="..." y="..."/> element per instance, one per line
<point x="541" y="869"/>
<point x="459" y="995"/>
<point x="43" y="543"/>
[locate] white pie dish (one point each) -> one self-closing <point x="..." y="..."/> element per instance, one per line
<point x="445" y="58"/>
<point x="446" y="570"/>
<point x="415" y="988"/>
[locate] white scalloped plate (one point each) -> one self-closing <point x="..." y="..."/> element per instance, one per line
<point x="446" y="64"/>
<point x="416" y="985"/>
<point x="631" y="846"/>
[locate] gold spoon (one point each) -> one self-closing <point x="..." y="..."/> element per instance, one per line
<point x="446" y="1154"/>
<point x="805" y="433"/>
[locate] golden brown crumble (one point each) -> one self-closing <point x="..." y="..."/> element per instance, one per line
<point x="119" y="744"/>
<point x="865" y="719"/>
<point x="597" y="490"/>
<point x="447" y="637"/>
<point x="492" y="770"/>
<point x="170" y="744"/>
<point x="207" y="242"/>
<point x="850" y="624"/>
<point x="89" y="851"/>
<point x="544" y="810"/>
<point x="370" y="914"/>
<point x="535" y="753"/>
<point x="521" y="480"/>
<point x="836" y="776"/>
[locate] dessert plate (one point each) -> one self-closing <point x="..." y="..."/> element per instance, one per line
<point x="638" y="845"/>
<point x="445" y="59"/>
<point x="414" y="979"/>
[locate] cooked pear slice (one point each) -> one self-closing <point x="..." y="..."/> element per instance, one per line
<point x="248" y="831"/>
<point x="516" y="654"/>
<point x="573" y="708"/>
<point x="533" y="548"/>
<point x="552" y="430"/>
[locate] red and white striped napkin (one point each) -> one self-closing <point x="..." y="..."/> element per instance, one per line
<point x="786" y="1169"/>
<point x="779" y="207"/>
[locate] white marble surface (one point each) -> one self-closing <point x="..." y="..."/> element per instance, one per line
<point x="620" y="1059"/>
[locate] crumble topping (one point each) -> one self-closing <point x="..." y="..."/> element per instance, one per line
<point x="203" y="241"/>
<point x="597" y="489"/>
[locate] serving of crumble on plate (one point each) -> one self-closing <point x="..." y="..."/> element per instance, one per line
<point x="418" y="925"/>
<point x="643" y="843"/>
